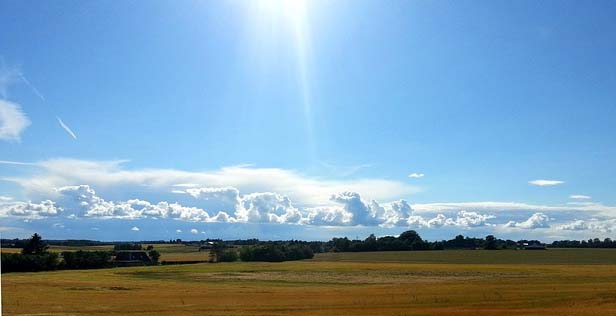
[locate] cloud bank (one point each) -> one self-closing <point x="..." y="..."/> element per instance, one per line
<point x="65" y="189"/>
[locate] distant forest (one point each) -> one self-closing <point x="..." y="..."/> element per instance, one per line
<point x="409" y="240"/>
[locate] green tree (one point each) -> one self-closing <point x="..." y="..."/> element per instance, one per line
<point x="34" y="246"/>
<point x="154" y="255"/>
<point x="490" y="242"/>
<point x="217" y="251"/>
<point x="410" y="236"/>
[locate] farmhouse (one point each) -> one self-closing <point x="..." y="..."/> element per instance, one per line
<point x="131" y="258"/>
<point x="207" y="245"/>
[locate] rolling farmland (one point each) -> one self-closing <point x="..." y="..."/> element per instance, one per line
<point x="553" y="282"/>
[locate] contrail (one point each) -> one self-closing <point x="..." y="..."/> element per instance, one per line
<point x="66" y="128"/>
<point x="18" y="163"/>
<point x="34" y="89"/>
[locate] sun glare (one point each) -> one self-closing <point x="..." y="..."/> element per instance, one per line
<point x="292" y="16"/>
<point x="288" y="9"/>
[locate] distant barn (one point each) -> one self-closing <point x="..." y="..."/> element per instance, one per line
<point x="131" y="258"/>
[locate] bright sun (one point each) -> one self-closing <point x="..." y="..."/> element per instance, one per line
<point x="289" y="9"/>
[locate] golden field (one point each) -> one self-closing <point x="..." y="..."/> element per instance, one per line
<point x="553" y="282"/>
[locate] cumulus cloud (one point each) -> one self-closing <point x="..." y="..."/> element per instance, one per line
<point x="361" y="213"/>
<point x="346" y="209"/>
<point x="465" y="219"/>
<point x="537" y="220"/>
<point x="604" y="226"/>
<point x="13" y="121"/>
<point x="178" y="231"/>
<point x="194" y="231"/>
<point x="84" y="200"/>
<point x="392" y="214"/>
<point x="135" y="229"/>
<point x="267" y="207"/>
<point x="544" y="183"/>
<point x="29" y="209"/>
<point x="580" y="197"/>
<point x="416" y="175"/>
<point x="227" y="197"/>
<point x="471" y="219"/>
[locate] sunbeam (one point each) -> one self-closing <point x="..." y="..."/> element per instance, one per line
<point x="292" y="16"/>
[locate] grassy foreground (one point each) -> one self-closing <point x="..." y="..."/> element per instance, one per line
<point x="403" y="283"/>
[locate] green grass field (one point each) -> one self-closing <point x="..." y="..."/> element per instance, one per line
<point x="553" y="282"/>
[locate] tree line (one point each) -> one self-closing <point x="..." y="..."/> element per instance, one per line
<point x="590" y="243"/>
<point x="342" y="244"/>
<point x="35" y="256"/>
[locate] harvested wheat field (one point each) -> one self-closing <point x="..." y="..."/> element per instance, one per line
<point x="332" y="284"/>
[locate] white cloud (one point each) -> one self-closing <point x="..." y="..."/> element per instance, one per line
<point x="267" y="207"/>
<point x="361" y="212"/>
<point x="465" y="219"/>
<point x="178" y="231"/>
<point x="194" y="231"/>
<point x="514" y="206"/>
<point x="543" y="183"/>
<point x="580" y="197"/>
<point x="5" y="198"/>
<point x="29" y="210"/>
<point x="8" y="77"/>
<point x="13" y="75"/>
<point x="470" y="219"/>
<point x="228" y="196"/>
<point x="416" y="175"/>
<point x="135" y="229"/>
<point x="603" y="226"/>
<point x="84" y="199"/>
<point x="392" y="214"/>
<point x="185" y="185"/>
<point x="13" y="121"/>
<point x="537" y="220"/>
<point x="304" y="190"/>
<point x="66" y="128"/>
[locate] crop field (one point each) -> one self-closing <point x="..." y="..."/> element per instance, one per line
<point x="553" y="282"/>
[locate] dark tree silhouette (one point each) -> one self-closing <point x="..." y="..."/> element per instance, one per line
<point x="490" y="242"/>
<point x="34" y="246"/>
<point x="154" y="255"/>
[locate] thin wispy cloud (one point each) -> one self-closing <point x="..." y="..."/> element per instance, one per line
<point x="13" y="75"/>
<point x="32" y="87"/>
<point x="16" y="163"/>
<point x="545" y="183"/>
<point x="416" y="175"/>
<point x="580" y="197"/>
<point x="13" y="121"/>
<point x="8" y="77"/>
<point x="66" y="128"/>
<point x="343" y="170"/>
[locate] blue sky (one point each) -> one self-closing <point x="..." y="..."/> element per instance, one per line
<point x="304" y="119"/>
